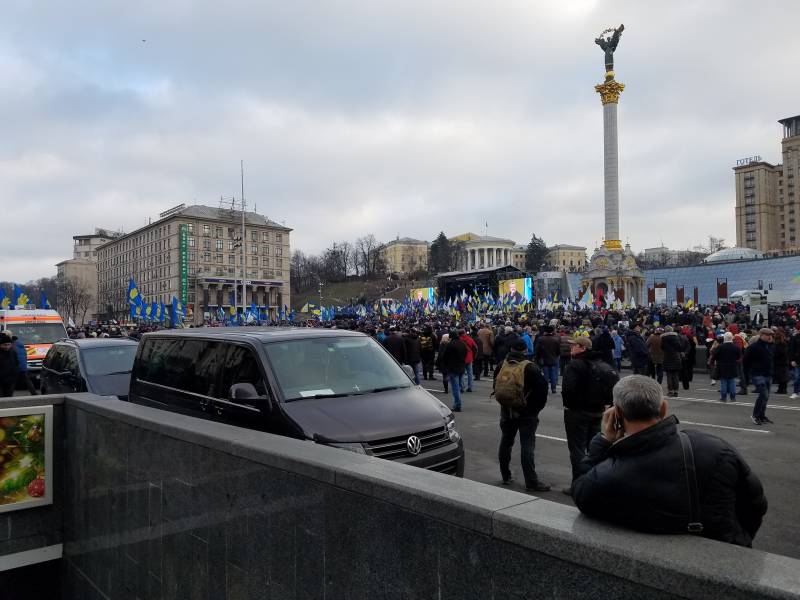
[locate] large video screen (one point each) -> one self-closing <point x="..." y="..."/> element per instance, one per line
<point x="424" y="295"/>
<point x="518" y="291"/>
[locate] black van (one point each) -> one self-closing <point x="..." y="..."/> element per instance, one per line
<point x="335" y="387"/>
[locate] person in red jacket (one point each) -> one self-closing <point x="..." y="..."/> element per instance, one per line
<point x="472" y="350"/>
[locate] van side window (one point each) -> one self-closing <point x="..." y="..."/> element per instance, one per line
<point x="189" y="365"/>
<point x="242" y="366"/>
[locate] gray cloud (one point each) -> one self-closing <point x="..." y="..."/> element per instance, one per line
<point x="394" y="119"/>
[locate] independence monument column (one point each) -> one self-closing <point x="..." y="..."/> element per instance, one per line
<point x="612" y="270"/>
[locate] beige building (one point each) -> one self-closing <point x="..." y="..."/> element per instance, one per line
<point x="483" y="252"/>
<point x="405" y="256"/>
<point x="566" y="258"/>
<point x="518" y="257"/>
<point x="766" y="197"/>
<point x="76" y="280"/>
<point x="85" y="246"/>
<point x="195" y="254"/>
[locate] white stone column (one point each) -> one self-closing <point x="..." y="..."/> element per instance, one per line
<point x="611" y="170"/>
<point x="489" y="257"/>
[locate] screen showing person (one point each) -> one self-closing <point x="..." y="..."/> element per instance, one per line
<point x="423" y="295"/>
<point x="516" y="290"/>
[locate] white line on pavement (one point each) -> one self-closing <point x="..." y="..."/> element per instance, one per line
<point x="709" y="401"/>
<point x="724" y="427"/>
<point x="550" y="437"/>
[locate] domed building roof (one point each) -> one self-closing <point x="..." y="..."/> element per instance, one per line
<point x="733" y="254"/>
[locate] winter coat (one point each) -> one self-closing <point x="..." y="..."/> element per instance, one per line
<point x="727" y="356"/>
<point x="654" y="349"/>
<point x="758" y="359"/>
<point x="22" y="355"/>
<point x="526" y="337"/>
<point x="454" y="357"/>
<point x="640" y="482"/>
<point x="534" y="388"/>
<point x="502" y="345"/>
<point x="578" y="388"/>
<point x="9" y="366"/>
<point x="413" y="349"/>
<point x="604" y="344"/>
<point x="564" y="346"/>
<point x="619" y="346"/>
<point x="478" y="347"/>
<point x="548" y="350"/>
<point x="781" y="363"/>
<point x="689" y="359"/>
<point x="396" y="346"/>
<point x="486" y="337"/>
<point x="672" y="345"/>
<point x="637" y="349"/>
<point x="471" y="348"/>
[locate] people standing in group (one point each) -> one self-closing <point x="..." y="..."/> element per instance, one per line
<point x="586" y="392"/>
<point x="637" y="350"/>
<point x="486" y="340"/>
<point x="22" y="359"/>
<point x="656" y="366"/>
<point x="759" y="365"/>
<point x="619" y="347"/>
<point x="781" y="361"/>
<point x="413" y="353"/>
<point x="547" y="353"/>
<point x="9" y="365"/>
<point x="454" y="362"/>
<point x="428" y="346"/>
<point x="672" y="348"/>
<point x="521" y="391"/>
<point x="726" y="358"/>
<point x="635" y="474"/>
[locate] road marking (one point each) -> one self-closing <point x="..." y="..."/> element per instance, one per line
<point x="710" y="401"/>
<point x="550" y="437"/>
<point x="724" y="427"/>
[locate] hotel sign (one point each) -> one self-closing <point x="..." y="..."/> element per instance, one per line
<point x="183" y="261"/>
<point x="746" y="161"/>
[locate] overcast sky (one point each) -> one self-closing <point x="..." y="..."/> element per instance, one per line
<point x="392" y="118"/>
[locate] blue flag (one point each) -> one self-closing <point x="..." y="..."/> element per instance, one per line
<point x="44" y="302"/>
<point x="19" y="298"/>
<point x="133" y="293"/>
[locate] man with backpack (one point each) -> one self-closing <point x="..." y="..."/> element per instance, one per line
<point x="586" y="391"/>
<point x="521" y="391"/>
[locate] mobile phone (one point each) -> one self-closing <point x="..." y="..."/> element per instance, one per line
<point x="617" y="424"/>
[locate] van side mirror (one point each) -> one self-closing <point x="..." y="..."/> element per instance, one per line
<point x="243" y="391"/>
<point x="409" y="372"/>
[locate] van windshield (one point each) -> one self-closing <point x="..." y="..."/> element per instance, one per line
<point x="39" y="333"/>
<point x="332" y="367"/>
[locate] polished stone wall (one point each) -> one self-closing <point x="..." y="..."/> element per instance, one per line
<point x="166" y="506"/>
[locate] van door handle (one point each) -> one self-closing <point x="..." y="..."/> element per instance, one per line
<point x="204" y="405"/>
<point x="219" y="410"/>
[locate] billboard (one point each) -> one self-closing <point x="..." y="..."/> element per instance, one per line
<point x="424" y="295"/>
<point x="518" y="291"/>
<point x="26" y="448"/>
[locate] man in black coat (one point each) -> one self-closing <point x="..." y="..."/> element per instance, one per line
<point x="413" y="351"/>
<point x="727" y="356"/>
<point x="637" y="350"/>
<point x="759" y="364"/>
<point x="585" y="398"/>
<point x="502" y="343"/>
<point x="396" y="345"/>
<point x="547" y="354"/>
<point x="9" y="365"/>
<point x="638" y="475"/>
<point x="454" y="363"/>
<point x="524" y="420"/>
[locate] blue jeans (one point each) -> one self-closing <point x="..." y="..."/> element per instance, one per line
<point x="551" y="375"/>
<point x="468" y="373"/>
<point x="727" y="387"/>
<point x="455" y="389"/>
<point x="796" y="380"/>
<point x="417" y="366"/>
<point x="762" y="388"/>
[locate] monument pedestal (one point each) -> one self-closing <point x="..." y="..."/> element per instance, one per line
<point x="613" y="268"/>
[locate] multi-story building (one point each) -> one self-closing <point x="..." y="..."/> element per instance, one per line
<point x="85" y="246"/>
<point x="483" y="252"/>
<point x="661" y="256"/>
<point x="566" y="258"/>
<point x="767" y="197"/>
<point x="195" y="253"/>
<point x="76" y="280"/>
<point x="405" y="256"/>
<point x="518" y="257"/>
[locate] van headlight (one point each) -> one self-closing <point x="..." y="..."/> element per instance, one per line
<point x="350" y="447"/>
<point x="452" y="432"/>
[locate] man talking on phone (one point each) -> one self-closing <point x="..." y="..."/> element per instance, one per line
<point x="644" y="473"/>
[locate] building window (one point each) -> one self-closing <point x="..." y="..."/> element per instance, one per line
<point x="265" y="261"/>
<point x="192" y="256"/>
<point x="230" y="245"/>
<point x="206" y="256"/>
<point x="190" y="228"/>
<point x="219" y="244"/>
<point x="279" y="262"/>
<point x="278" y="251"/>
<point x="206" y="244"/>
<point x="254" y="235"/>
<point x="191" y="242"/>
<point x="253" y="248"/>
<point x="265" y="236"/>
<point x="279" y="238"/>
<point x="206" y="230"/>
<point x="231" y="259"/>
<point x="219" y="232"/>
<point x="219" y="258"/>
<point x="231" y="232"/>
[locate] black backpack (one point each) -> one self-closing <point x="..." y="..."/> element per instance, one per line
<point x="604" y="378"/>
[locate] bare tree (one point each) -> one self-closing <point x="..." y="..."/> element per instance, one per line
<point x="73" y="300"/>
<point x="369" y="256"/>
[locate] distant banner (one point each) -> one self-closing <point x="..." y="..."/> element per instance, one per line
<point x="424" y="295"/>
<point x="518" y="291"/>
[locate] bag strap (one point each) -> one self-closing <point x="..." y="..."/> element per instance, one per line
<point x="694" y="526"/>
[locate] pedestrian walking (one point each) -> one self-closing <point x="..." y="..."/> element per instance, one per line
<point x="758" y="366"/>
<point x="454" y="362"/>
<point x="521" y="390"/>
<point x="472" y="349"/>
<point x="9" y="366"/>
<point x="22" y="359"/>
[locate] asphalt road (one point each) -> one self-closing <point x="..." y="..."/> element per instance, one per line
<point x="773" y="451"/>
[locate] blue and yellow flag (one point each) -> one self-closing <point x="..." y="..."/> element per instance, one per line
<point x="5" y="301"/>
<point x="156" y="311"/>
<point x="148" y="311"/>
<point x="44" y="302"/>
<point x="133" y="293"/>
<point x="19" y="297"/>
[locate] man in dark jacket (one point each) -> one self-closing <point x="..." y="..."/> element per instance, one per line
<point x="413" y="352"/>
<point x="727" y="356"/>
<point x="454" y="361"/>
<point x="672" y="347"/>
<point x="22" y="360"/>
<point x="758" y="365"/>
<point x="637" y="350"/>
<point x="586" y="391"/>
<point x="547" y="352"/>
<point x="396" y="345"/>
<point x="604" y="344"/>
<point x="525" y="420"/>
<point x="636" y="473"/>
<point x="9" y="366"/>
<point x="502" y="343"/>
<point x="429" y="344"/>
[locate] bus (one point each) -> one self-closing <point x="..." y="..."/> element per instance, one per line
<point x="37" y="329"/>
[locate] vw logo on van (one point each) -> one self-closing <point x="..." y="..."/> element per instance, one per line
<point x="414" y="445"/>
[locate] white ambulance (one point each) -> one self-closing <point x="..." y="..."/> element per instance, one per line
<point x="37" y="329"/>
